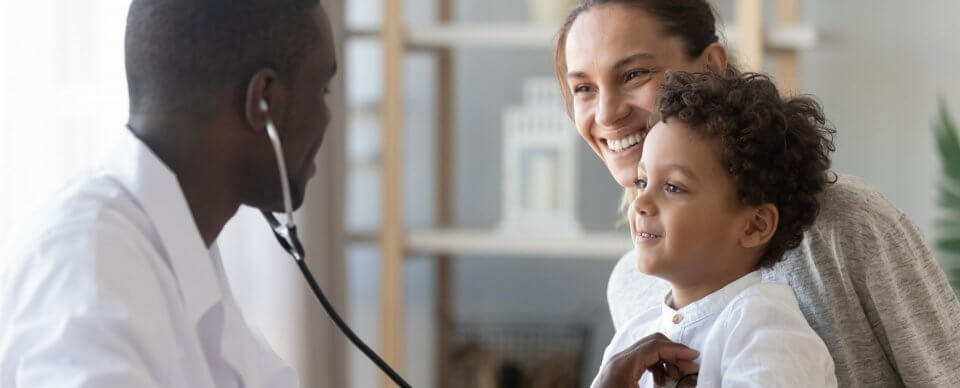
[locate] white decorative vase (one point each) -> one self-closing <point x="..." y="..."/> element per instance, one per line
<point x="550" y="12"/>
<point x="539" y="164"/>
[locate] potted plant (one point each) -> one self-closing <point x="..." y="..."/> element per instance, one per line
<point x="948" y="222"/>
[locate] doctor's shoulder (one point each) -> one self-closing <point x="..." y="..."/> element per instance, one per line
<point x="88" y="221"/>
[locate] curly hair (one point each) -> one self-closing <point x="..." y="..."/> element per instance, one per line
<point x="777" y="150"/>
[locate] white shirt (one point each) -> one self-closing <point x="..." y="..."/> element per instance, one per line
<point x="750" y="333"/>
<point x="114" y="287"/>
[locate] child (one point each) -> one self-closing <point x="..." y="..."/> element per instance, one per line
<point x="728" y="180"/>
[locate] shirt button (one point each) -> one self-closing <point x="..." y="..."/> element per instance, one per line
<point x="677" y="319"/>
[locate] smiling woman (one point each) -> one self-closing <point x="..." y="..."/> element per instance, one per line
<point x="611" y="61"/>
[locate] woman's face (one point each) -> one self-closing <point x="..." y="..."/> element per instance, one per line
<point x="616" y="58"/>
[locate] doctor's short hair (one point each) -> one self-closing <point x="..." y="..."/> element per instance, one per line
<point x="776" y="149"/>
<point x="182" y="54"/>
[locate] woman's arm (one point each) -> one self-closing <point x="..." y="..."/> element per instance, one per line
<point x="911" y="307"/>
<point x="876" y="294"/>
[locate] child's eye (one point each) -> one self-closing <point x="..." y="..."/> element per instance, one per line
<point x="673" y="189"/>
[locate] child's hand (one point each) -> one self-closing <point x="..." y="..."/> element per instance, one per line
<point x="654" y="353"/>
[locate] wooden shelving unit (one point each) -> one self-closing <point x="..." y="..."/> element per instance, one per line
<point x="748" y="35"/>
<point x="787" y="37"/>
<point x="485" y="243"/>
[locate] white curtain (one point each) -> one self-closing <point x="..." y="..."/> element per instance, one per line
<point x="62" y="91"/>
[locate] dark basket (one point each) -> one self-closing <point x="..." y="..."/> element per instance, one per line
<point x="514" y="355"/>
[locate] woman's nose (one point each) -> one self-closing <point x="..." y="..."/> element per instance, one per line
<point x="612" y="109"/>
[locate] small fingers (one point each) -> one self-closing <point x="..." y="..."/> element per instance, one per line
<point x="657" y="371"/>
<point x="673" y="372"/>
<point x="686" y="367"/>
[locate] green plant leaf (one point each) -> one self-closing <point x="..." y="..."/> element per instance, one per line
<point x="949" y="245"/>
<point x="949" y="144"/>
<point x="948" y="224"/>
<point x="954" y="277"/>
<point x="949" y="197"/>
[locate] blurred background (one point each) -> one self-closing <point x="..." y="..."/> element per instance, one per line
<point x="466" y="297"/>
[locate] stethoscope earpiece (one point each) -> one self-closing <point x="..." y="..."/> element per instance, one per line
<point x="281" y="166"/>
<point x="286" y="235"/>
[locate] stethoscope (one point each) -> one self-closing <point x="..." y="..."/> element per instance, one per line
<point x="287" y="236"/>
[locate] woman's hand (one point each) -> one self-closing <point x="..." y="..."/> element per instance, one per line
<point x="654" y="353"/>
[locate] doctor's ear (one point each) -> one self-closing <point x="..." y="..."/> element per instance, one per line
<point x="264" y="99"/>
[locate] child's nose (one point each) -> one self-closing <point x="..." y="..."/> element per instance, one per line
<point x="643" y="205"/>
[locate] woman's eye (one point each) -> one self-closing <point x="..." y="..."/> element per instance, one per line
<point x="640" y="183"/>
<point x="581" y="89"/>
<point x="636" y="74"/>
<point x="673" y="189"/>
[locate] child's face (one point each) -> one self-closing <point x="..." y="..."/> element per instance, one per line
<point x="686" y="219"/>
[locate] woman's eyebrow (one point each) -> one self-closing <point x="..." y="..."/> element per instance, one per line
<point x="632" y="58"/>
<point x="623" y="62"/>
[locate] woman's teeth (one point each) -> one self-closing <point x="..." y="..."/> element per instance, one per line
<point x="648" y="235"/>
<point x="625" y="143"/>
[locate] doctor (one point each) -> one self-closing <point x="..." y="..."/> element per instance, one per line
<point x="119" y="282"/>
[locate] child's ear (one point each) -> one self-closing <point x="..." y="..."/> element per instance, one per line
<point x="761" y="225"/>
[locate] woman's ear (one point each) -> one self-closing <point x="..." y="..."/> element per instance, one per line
<point x="761" y="225"/>
<point x="714" y="58"/>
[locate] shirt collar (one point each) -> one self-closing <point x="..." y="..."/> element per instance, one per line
<point x="156" y="189"/>
<point x="707" y="306"/>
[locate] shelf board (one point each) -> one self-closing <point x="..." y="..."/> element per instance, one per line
<point x="480" y="242"/>
<point x="527" y="35"/>
<point x="519" y="35"/>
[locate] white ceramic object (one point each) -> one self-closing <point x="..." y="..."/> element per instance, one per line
<point x="539" y="164"/>
<point x="550" y="12"/>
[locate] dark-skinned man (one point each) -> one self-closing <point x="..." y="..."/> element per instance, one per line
<point x="119" y="282"/>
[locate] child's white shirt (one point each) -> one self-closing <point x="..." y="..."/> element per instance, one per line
<point x="750" y="333"/>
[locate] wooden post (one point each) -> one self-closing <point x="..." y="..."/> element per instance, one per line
<point x="443" y="175"/>
<point x="787" y="68"/>
<point x="749" y="19"/>
<point x="391" y="174"/>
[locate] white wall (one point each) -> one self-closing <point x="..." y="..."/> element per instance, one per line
<point x="879" y="72"/>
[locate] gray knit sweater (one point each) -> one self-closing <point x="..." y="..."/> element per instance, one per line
<point x="866" y="282"/>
